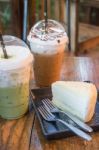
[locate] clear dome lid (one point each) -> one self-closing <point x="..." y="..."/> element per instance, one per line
<point x="18" y="52"/>
<point x="54" y="32"/>
<point x="12" y="40"/>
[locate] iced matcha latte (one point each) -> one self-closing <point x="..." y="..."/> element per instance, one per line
<point x="14" y="82"/>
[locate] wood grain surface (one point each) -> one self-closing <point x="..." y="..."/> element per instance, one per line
<point x="25" y="133"/>
<point x="16" y="134"/>
<point x="74" y="68"/>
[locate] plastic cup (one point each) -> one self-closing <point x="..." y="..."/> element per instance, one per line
<point x="48" y="50"/>
<point x="14" y="82"/>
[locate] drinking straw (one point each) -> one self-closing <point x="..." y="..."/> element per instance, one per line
<point x="25" y="20"/>
<point x="45" y="15"/>
<point x="69" y="23"/>
<point x="3" y="46"/>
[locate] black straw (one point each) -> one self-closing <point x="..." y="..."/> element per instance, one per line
<point x="45" y="14"/>
<point x="69" y="23"/>
<point x="3" y="46"/>
<point x="25" y="20"/>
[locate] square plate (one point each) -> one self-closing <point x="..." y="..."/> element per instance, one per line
<point x="56" y="130"/>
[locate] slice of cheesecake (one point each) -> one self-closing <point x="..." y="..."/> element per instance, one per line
<point x="77" y="98"/>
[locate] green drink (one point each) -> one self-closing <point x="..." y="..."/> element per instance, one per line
<point x="14" y="100"/>
<point x="14" y="83"/>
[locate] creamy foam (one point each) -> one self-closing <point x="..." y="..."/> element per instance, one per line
<point x="15" y="71"/>
<point x="40" y="41"/>
<point x="18" y="57"/>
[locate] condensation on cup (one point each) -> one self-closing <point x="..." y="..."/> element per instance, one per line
<point x="48" y="48"/>
<point x="14" y="81"/>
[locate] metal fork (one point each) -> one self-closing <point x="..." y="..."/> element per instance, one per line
<point x="49" y="105"/>
<point x="48" y="116"/>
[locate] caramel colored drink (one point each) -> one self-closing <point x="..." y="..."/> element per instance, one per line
<point x="48" y="50"/>
<point x="50" y="65"/>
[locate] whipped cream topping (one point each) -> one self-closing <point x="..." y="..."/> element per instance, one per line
<point x="18" y="57"/>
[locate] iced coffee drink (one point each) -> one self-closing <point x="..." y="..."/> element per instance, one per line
<point x="48" y="50"/>
<point x="14" y="81"/>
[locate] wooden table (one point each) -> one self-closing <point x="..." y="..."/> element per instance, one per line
<point x="25" y="133"/>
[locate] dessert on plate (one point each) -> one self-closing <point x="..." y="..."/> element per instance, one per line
<point x="75" y="97"/>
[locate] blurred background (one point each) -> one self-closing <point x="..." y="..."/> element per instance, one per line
<point x="84" y="20"/>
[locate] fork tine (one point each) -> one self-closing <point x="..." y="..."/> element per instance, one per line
<point x="48" y="103"/>
<point x="45" y="113"/>
<point x="41" y="112"/>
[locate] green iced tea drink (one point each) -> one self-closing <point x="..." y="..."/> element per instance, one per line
<point x="14" y="99"/>
<point x="14" y="82"/>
